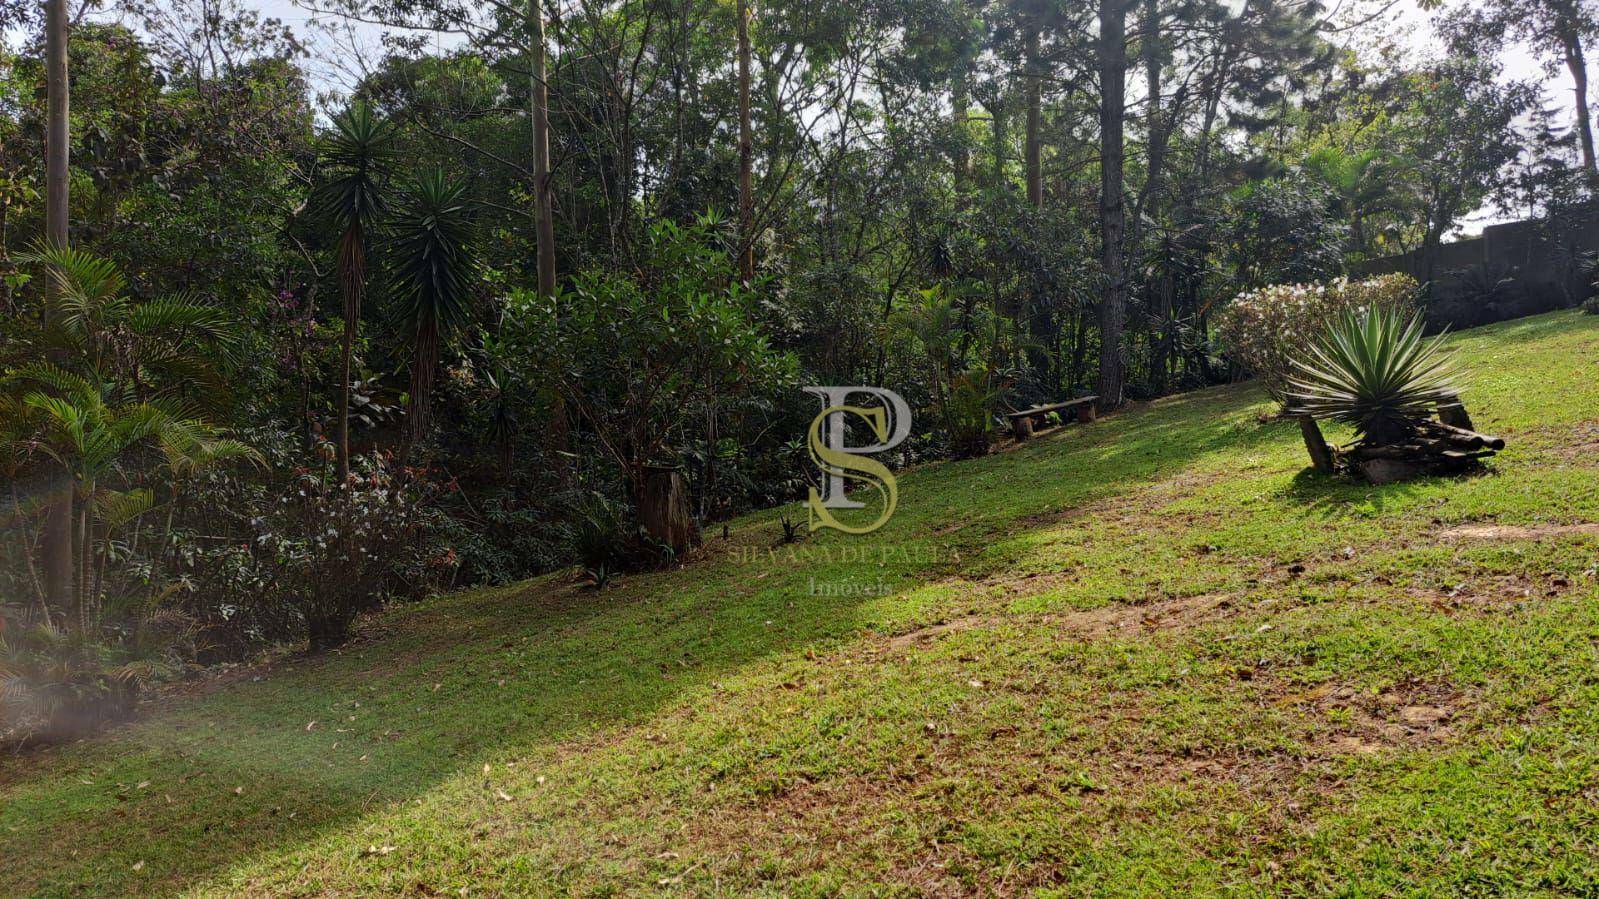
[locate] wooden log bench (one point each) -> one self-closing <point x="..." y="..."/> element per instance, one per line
<point x="1022" y="423"/>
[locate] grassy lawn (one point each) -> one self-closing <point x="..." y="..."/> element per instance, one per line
<point x="1153" y="655"/>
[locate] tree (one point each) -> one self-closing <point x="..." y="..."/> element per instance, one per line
<point x="432" y="245"/>
<point x="631" y="350"/>
<point x="122" y="373"/>
<point x="1112" y="59"/>
<point x="1556" y="29"/>
<point x="543" y="189"/>
<point x="746" y="153"/>
<point x="359" y="156"/>
<point x="1457" y="136"/>
<point x="58" y="521"/>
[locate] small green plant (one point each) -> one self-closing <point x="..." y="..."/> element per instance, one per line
<point x="600" y="539"/>
<point x="58" y="683"/>
<point x="1375" y="370"/>
<point x="790" y="528"/>
<point x="600" y="575"/>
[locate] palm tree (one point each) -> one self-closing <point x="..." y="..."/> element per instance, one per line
<point x="359" y="155"/>
<point x="124" y="369"/>
<point x="434" y="265"/>
<point x="154" y="347"/>
<point x="87" y="425"/>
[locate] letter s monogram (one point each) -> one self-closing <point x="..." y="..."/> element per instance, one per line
<point x="854" y="467"/>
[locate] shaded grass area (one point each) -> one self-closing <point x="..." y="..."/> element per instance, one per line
<point x="1150" y="655"/>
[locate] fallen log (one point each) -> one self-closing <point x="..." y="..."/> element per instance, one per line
<point x="1469" y="437"/>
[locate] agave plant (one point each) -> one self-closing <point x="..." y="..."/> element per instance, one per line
<point x="1375" y="370"/>
<point x="434" y="267"/>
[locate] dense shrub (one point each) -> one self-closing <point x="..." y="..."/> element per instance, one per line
<point x="650" y="361"/>
<point x="1262" y="330"/>
<point x="335" y="553"/>
<point x="60" y="683"/>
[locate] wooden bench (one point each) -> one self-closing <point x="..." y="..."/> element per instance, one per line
<point x="1022" y="423"/>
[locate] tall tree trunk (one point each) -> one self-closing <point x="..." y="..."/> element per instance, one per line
<point x="1150" y="197"/>
<point x="746" y="153"/>
<point x="1035" y="115"/>
<point x="543" y="204"/>
<point x="57" y="542"/>
<point x="960" y="100"/>
<point x="1577" y="64"/>
<point x="1112" y="212"/>
<point x="560" y="425"/>
<point x="1040" y="315"/>
<point x="998" y="138"/>
<point x="352" y="285"/>
<point x="1154" y="131"/>
<point x="419" y="404"/>
<point x="85" y="549"/>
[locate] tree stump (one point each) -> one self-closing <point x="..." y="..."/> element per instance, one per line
<point x="1453" y="413"/>
<point x="1022" y="428"/>
<point x="664" y="508"/>
<point x="1321" y="455"/>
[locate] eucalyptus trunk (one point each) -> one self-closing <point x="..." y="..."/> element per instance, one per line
<point x="544" y="215"/>
<point x="1033" y="151"/>
<point x="1577" y="65"/>
<point x="960" y="103"/>
<point x="57" y="537"/>
<point x="746" y="153"/>
<point x="543" y="203"/>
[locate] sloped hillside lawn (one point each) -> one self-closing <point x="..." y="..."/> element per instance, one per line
<point x="1152" y="655"/>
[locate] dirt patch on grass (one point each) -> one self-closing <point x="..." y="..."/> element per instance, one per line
<point x="1359" y="722"/>
<point x="1517" y="532"/>
<point x="1115" y="619"/>
<point x="1133" y="506"/>
<point x="1500" y="593"/>
<point x="1575" y="442"/>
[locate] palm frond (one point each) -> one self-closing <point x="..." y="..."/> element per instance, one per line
<point x="184" y="316"/>
<point x="359" y="156"/>
<point x="116" y="508"/>
<point x="78" y="273"/>
<point x="432" y="244"/>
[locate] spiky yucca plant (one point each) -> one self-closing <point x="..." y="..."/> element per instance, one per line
<point x="1375" y="370"/>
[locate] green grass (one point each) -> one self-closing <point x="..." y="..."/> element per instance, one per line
<point x="1153" y="655"/>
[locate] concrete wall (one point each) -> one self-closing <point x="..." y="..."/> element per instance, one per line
<point x="1512" y="270"/>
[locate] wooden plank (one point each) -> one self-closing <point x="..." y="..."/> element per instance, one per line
<point x="1078" y="403"/>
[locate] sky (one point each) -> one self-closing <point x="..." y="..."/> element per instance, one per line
<point x="1405" y="20"/>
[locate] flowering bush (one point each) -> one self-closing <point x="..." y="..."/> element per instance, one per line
<point x="302" y="558"/>
<point x="332" y="554"/>
<point x="1261" y="330"/>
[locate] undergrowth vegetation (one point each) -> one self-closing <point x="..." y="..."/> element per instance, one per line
<point x="1154" y="654"/>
